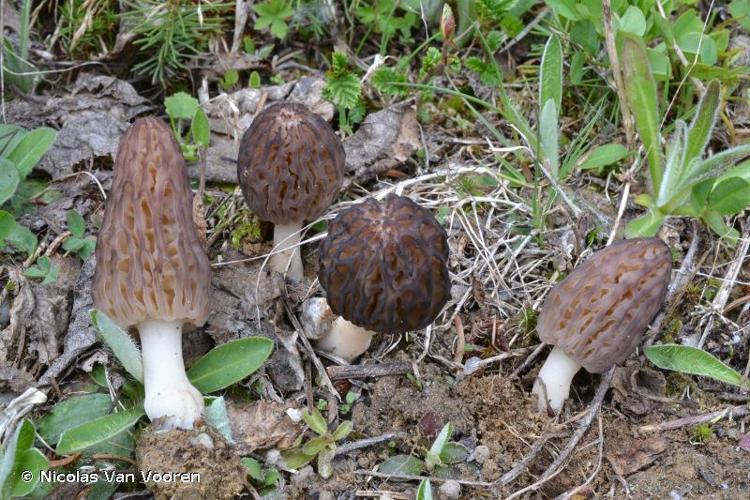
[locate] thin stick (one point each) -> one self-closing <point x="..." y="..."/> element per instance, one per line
<point x="714" y="416"/>
<point x="366" y="443"/>
<point x="408" y="477"/>
<point x="369" y="370"/>
<point x="522" y="464"/>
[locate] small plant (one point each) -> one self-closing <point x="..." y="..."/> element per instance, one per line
<point x="87" y="27"/>
<point x="343" y="90"/>
<point x="702" y="433"/>
<point x="45" y="269"/>
<point x="18" y="72"/>
<point x="265" y="479"/>
<point x="442" y="454"/>
<point x="274" y="14"/>
<point x="323" y="445"/>
<point x="77" y="243"/>
<point x="21" y="463"/>
<point x="170" y="33"/>
<point x="189" y="124"/>
<point x="683" y="182"/>
<point x="20" y="151"/>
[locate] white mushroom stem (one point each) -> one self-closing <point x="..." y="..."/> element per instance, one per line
<point x="286" y="238"/>
<point x="345" y="340"/>
<point x="554" y="379"/>
<point x="170" y="396"/>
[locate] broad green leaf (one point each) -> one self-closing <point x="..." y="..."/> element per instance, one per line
<point x="551" y="73"/>
<point x="424" y="491"/>
<point x="730" y="196"/>
<point x="315" y="421"/>
<point x="696" y="43"/>
<point x="565" y="8"/>
<point x="30" y="149"/>
<point x="12" y="457"/>
<point x="716" y="222"/>
<point x="633" y="21"/>
<point x="76" y="224"/>
<point x="316" y="445"/>
<point x="97" y="431"/>
<point x="10" y="135"/>
<point x="253" y="467"/>
<point x="602" y="156"/>
<point x="694" y="361"/>
<point x="22" y="239"/>
<point x="343" y="430"/>
<point x="9" y="180"/>
<point x="217" y="417"/>
<point x="7" y="225"/>
<point x="120" y="342"/>
<point x="661" y="66"/>
<point x="646" y="225"/>
<point x="200" y="129"/>
<point x="453" y="453"/>
<point x="32" y="461"/>
<point x="181" y="106"/>
<point x="548" y="140"/>
<point x="640" y="91"/>
<point x="229" y="363"/>
<point x="442" y="438"/>
<point x="72" y="412"/>
<point x="402" y="465"/>
<point x="294" y="458"/>
<point x="703" y="122"/>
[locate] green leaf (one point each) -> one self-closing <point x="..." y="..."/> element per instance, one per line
<point x="12" y="457"/>
<point x="673" y="178"/>
<point x="229" y="363"/>
<point x="32" y="461"/>
<point x="325" y="462"/>
<point x="699" y="170"/>
<point x="402" y="465"/>
<point x="730" y="196"/>
<point x="703" y="123"/>
<point x="76" y="224"/>
<point x="7" y="225"/>
<point x="254" y="82"/>
<point x="548" y="137"/>
<point x="343" y="430"/>
<point x="217" y="417"/>
<point x="694" y="361"/>
<point x="565" y="8"/>
<point x="551" y="73"/>
<point x="453" y="453"/>
<point x="315" y="421"/>
<point x="316" y="445"/>
<point x="9" y="180"/>
<point x="30" y="149"/>
<point x="10" y="136"/>
<point x="716" y="222"/>
<point x="661" y="66"/>
<point x="294" y="458"/>
<point x="254" y="468"/>
<point x="120" y="342"/>
<point x="442" y="438"/>
<point x="97" y="431"/>
<point x="181" y="106"/>
<point x="200" y="129"/>
<point x="633" y="21"/>
<point x="22" y="239"/>
<point x="602" y="156"/>
<point x="424" y="491"/>
<point x="72" y="412"/>
<point x="646" y="225"/>
<point x="640" y="92"/>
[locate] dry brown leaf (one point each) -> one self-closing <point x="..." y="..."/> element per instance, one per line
<point x="261" y="425"/>
<point x="640" y="454"/>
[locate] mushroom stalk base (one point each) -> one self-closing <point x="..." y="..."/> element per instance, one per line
<point x="345" y="340"/>
<point x="286" y="238"/>
<point x="170" y="397"/>
<point x="554" y="378"/>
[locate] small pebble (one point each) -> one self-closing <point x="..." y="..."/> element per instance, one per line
<point x="450" y="489"/>
<point x="202" y="439"/>
<point x="481" y="454"/>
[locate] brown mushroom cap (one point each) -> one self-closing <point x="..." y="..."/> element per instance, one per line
<point x="384" y="266"/>
<point x="150" y="263"/>
<point x="599" y="312"/>
<point x="290" y="164"/>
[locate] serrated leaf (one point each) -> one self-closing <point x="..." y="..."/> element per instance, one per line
<point x="229" y="363"/>
<point x="551" y="73"/>
<point x="694" y="361"/>
<point x="72" y="412"/>
<point x="120" y="343"/>
<point x="30" y="149"/>
<point x="402" y="465"/>
<point x="640" y="92"/>
<point x="97" y="431"/>
<point x="9" y="180"/>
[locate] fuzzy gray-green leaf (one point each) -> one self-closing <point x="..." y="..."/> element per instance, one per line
<point x="687" y="359"/>
<point x="121" y="343"/>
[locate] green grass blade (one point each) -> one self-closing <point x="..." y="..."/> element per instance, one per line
<point x="640" y="92"/>
<point x="694" y="361"/>
<point x="551" y="73"/>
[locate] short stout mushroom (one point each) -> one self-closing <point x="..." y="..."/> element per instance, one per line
<point x="152" y="273"/>
<point x="290" y="168"/>
<point x="597" y="315"/>
<point x="384" y="267"/>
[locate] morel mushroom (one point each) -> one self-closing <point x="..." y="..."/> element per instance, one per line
<point x="384" y="267"/>
<point x="152" y="274"/>
<point x="597" y="315"/>
<point x="290" y="167"/>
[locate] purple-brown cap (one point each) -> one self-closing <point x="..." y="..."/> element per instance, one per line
<point x="599" y="312"/>
<point x="150" y="263"/>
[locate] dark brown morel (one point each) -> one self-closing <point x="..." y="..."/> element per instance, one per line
<point x="290" y="168"/>
<point x="597" y="315"/>
<point x="384" y="267"/>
